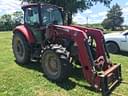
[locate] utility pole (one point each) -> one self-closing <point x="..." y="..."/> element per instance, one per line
<point x="87" y="21"/>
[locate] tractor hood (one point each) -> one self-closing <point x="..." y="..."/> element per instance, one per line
<point x="67" y="28"/>
<point x="66" y="32"/>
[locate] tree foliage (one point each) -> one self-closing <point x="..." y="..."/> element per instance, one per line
<point x="72" y="6"/>
<point x="5" y="22"/>
<point x="9" y="21"/>
<point x="114" y="18"/>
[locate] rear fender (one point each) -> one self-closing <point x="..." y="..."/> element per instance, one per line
<point x="24" y="30"/>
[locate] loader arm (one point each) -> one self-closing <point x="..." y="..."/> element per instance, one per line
<point x="109" y="76"/>
<point x="98" y="36"/>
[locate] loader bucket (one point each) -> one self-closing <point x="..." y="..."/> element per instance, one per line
<point x="110" y="78"/>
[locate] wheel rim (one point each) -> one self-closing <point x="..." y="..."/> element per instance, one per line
<point x="52" y="64"/>
<point x="19" y="48"/>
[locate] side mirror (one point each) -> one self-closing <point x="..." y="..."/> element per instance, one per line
<point x="125" y="34"/>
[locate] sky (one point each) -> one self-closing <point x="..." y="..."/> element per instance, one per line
<point x="95" y="14"/>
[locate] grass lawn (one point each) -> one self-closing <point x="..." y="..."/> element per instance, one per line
<point x="28" y="80"/>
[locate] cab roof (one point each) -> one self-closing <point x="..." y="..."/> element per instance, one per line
<point x="37" y="4"/>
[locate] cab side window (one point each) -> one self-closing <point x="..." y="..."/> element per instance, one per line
<point x="45" y="17"/>
<point x="32" y="16"/>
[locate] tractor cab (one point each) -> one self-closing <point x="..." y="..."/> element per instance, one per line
<point x="38" y="17"/>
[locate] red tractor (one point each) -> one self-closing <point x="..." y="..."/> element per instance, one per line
<point x="44" y="37"/>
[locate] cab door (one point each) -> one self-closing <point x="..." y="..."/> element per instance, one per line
<point x="32" y="22"/>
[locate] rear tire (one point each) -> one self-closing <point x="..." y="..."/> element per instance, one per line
<point x="112" y="47"/>
<point x="55" y="64"/>
<point x="20" y="48"/>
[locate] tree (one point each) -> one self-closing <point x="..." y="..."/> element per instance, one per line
<point x="5" y="22"/>
<point x="114" y="18"/>
<point x="72" y="6"/>
<point x="9" y="21"/>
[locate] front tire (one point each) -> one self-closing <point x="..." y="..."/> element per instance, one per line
<point x="112" y="47"/>
<point x="20" y="48"/>
<point x="55" y="65"/>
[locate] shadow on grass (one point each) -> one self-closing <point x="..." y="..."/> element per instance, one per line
<point x="76" y="78"/>
<point x="68" y="84"/>
<point x="123" y="53"/>
<point x="32" y="65"/>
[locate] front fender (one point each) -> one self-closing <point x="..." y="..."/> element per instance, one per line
<point x="27" y="33"/>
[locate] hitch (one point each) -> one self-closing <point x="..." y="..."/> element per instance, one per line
<point x="110" y="78"/>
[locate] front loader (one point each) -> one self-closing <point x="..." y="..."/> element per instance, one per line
<point x="43" y="37"/>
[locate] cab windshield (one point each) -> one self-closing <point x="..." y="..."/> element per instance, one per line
<point x="51" y="15"/>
